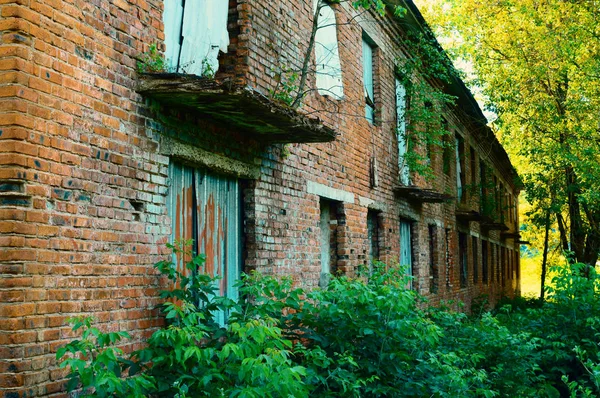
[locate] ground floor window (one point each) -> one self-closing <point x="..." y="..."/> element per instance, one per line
<point x="206" y="208"/>
<point x="328" y="223"/>
<point x="448" y="257"/>
<point x="373" y="232"/>
<point x="463" y="259"/>
<point x="484" y="262"/>
<point x="475" y="249"/>
<point x="406" y="246"/>
<point x="433" y="264"/>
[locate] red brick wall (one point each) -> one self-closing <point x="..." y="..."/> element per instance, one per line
<point x="83" y="175"/>
<point x="74" y="156"/>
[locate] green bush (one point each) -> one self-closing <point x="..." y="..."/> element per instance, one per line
<point x="364" y="336"/>
<point x="567" y="323"/>
<point x="100" y="369"/>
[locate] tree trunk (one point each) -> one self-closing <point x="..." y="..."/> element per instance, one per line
<point x="307" y="57"/>
<point x="545" y="257"/>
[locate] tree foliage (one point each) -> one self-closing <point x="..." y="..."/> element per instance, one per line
<point x="538" y="63"/>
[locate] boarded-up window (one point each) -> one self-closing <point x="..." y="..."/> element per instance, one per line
<point x="205" y="208"/>
<point x="327" y="57"/>
<point x="401" y="132"/>
<point x="367" y="52"/>
<point x="195" y="31"/>
<point x="406" y="246"/>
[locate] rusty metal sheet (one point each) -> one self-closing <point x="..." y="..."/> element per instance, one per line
<point x="205" y="207"/>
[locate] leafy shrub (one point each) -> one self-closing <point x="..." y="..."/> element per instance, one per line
<point x="99" y="368"/>
<point x="369" y="337"/>
<point x="567" y="323"/>
<point x="194" y="356"/>
<point x="363" y="336"/>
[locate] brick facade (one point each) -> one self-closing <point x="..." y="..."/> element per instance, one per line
<point x="84" y="173"/>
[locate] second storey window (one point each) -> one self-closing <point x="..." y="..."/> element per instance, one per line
<point x="368" y="80"/>
<point x="327" y="57"/>
<point x="460" y="166"/>
<point x="401" y="132"/>
<point x="195" y="31"/>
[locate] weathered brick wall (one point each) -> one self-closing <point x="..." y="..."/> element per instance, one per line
<point x="75" y="164"/>
<point x="84" y="160"/>
<point x="344" y="163"/>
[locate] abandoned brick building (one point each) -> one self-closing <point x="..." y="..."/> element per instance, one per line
<point x="102" y="165"/>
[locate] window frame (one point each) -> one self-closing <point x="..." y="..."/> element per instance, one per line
<point x="330" y="82"/>
<point x="368" y="63"/>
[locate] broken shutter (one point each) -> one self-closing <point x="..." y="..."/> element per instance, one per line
<point x="401" y="132"/>
<point x="327" y="57"/>
<point x="405" y="246"/>
<point x="195" y="31"/>
<point x="368" y="81"/>
<point x="206" y="208"/>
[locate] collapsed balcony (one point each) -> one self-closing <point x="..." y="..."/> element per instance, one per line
<point x="467" y="215"/>
<point x="240" y="108"/>
<point x="421" y="195"/>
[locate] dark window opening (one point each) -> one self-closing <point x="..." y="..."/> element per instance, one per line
<point x="448" y="258"/>
<point x="463" y="259"/>
<point x="433" y="266"/>
<point x="492" y="262"/>
<point x="483" y="189"/>
<point x="473" y="167"/>
<point x="373" y="232"/>
<point x="447" y="150"/>
<point x="484" y="262"/>
<point x="475" y="249"/>
<point x="460" y="167"/>
<point x="328" y="224"/>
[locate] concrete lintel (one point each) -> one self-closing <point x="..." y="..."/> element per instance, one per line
<point x="371" y="204"/>
<point x="210" y="160"/>
<point x="330" y="193"/>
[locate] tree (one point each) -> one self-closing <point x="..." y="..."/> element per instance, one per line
<point x="538" y="63"/>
